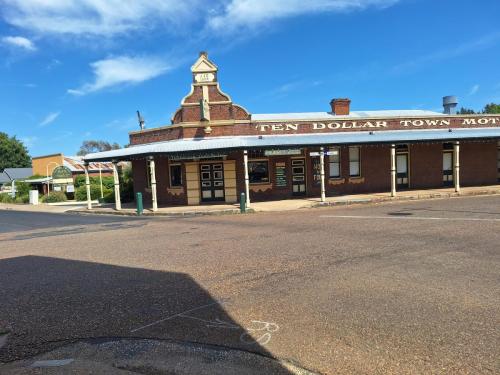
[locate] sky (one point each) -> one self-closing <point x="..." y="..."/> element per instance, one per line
<point x="74" y="70"/>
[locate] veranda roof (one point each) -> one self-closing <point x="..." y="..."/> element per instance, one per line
<point x="211" y="144"/>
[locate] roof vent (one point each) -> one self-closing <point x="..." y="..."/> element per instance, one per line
<point x="450" y="105"/>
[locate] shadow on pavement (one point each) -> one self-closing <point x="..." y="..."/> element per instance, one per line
<point x="47" y="302"/>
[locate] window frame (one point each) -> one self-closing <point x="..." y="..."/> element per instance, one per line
<point x="268" y="172"/>
<point x="339" y="162"/>
<point x="355" y="161"/>
<point x="170" y="175"/>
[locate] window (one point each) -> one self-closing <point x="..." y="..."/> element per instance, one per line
<point x="175" y="175"/>
<point x="354" y="162"/>
<point x="258" y="171"/>
<point x="334" y="159"/>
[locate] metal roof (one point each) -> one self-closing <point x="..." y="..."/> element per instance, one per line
<point x="75" y="165"/>
<point x="332" y="116"/>
<point x="289" y="140"/>
<point x="16" y="173"/>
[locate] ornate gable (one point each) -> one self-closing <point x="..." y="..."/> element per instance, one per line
<point x="206" y="103"/>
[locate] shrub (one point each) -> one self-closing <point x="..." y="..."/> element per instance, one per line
<point x="79" y="181"/>
<point x="95" y="193"/>
<point x="22" y="199"/>
<point x="54" y="197"/>
<point x="22" y="188"/>
<point x="6" y="198"/>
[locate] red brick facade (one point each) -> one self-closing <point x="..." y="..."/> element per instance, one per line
<point x="208" y="112"/>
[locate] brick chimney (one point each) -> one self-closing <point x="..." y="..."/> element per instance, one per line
<point x="341" y="107"/>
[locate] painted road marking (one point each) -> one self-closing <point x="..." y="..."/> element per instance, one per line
<point x="52" y="363"/>
<point x="407" y="218"/>
<point x="221" y="302"/>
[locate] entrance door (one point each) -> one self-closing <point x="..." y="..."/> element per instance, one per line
<point x="298" y="177"/>
<point x="447" y="168"/>
<point x="212" y="182"/>
<point x="402" y="174"/>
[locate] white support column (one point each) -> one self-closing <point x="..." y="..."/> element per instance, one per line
<point x="153" y="184"/>
<point x="456" y="165"/>
<point x="322" y="173"/>
<point x="393" y="170"/>
<point x="247" y="179"/>
<point x="118" y="202"/>
<point x="87" y="187"/>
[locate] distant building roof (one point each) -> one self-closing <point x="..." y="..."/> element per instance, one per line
<point x="332" y="116"/>
<point x="76" y="165"/>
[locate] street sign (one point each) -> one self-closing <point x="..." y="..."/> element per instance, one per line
<point x="326" y="153"/>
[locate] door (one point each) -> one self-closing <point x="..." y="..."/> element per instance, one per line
<point x="402" y="171"/>
<point x="448" y="168"/>
<point x="212" y="182"/>
<point x="298" y="177"/>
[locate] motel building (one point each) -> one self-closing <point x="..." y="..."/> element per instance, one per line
<point x="214" y="150"/>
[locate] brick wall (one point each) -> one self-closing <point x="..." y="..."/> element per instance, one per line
<point x="426" y="165"/>
<point x="478" y="163"/>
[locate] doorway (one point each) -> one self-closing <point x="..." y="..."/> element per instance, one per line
<point x="212" y="182"/>
<point x="298" y="177"/>
<point x="402" y="170"/>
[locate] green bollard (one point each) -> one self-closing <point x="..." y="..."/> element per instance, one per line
<point x="140" y="207"/>
<point x="243" y="203"/>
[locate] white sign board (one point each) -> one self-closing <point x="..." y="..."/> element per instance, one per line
<point x="70" y="189"/>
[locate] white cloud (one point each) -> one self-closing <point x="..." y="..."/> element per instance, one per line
<point x="20" y="42"/>
<point x="254" y="13"/>
<point x="120" y="71"/>
<point x="94" y="17"/>
<point x="49" y="119"/>
<point x="474" y="89"/>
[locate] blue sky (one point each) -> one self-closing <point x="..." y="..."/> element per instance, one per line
<point x="76" y="70"/>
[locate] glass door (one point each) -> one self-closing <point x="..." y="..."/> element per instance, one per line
<point x="298" y="177"/>
<point x="402" y="171"/>
<point x="212" y="182"/>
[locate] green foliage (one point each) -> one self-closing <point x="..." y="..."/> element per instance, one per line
<point x="6" y="198"/>
<point x="22" y="188"/>
<point x="492" y="108"/>
<point x="126" y="185"/>
<point x="465" y="111"/>
<point x="13" y="153"/>
<point x="54" y="197"/>
<point x="107" y="181"/>
<point x="95" y="193"/>
<point x="22" y="199"/>
<point x="91" y="146"/>
<point x="79" y="181"/>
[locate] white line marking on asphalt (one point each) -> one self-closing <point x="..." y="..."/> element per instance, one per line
<point x="177" y="315"/>
<point x="52" y="363"/>
<point x="407" y="218"/>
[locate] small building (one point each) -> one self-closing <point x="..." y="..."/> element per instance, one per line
<point x="45" y="166"/>
<point x="214" y="149"/>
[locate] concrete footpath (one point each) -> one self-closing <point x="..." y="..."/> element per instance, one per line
<point x="270" y="206"/>
<point x="297" y="204"/>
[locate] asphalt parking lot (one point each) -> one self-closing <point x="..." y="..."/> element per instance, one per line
<point x="409" y="287"/>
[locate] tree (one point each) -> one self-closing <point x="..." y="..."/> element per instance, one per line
<point x="13" y="153"/>
<point x="492" y="108"/>
<point x="466" y="111"/>
<point x="92" y="146"/>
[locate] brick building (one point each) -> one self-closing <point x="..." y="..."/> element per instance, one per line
<point x="214" y="149"/>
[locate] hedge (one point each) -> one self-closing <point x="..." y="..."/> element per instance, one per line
<point x="54" y="197"/>
<point x="95" y="193"/>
